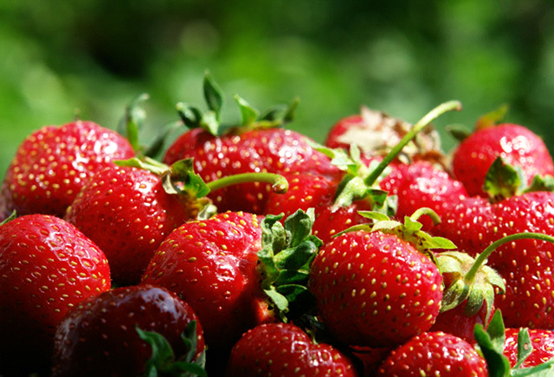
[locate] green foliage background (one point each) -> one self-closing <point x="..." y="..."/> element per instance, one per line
<point x="60" y="59"/>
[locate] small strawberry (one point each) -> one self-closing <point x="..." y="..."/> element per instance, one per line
<point x="279" y="349"/>
<point x="516" y="144"/>
<point x="259" y="144"/>
<point x="377" y="286"/>
<point x="435" y="354"/>
<point x="112" y="334"/>
<point x="541" y="343"/>
<point x="47" y="267"/>
<point x="53" y="163"/>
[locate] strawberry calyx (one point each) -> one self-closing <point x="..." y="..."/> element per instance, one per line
<point x="470" y="279"/>
<point x="180" y="179"/>
<point x="288" y="250"/>
<point x="491" y="342"/>
<point x="163" y="361"/>
<point x="251" y="119"/>
<point x="504" y="180"/>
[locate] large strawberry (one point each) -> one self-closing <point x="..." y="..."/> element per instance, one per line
<point x="436" y="354"/>
<point x="112" y="334"/>
<point x="378" y="286"/>
<point x="259" y="144"/>
<point x="279" y="349"/>
<point x="516" y="144"/>
<point x="47" y="267"/>
<point x="53" y="163"/>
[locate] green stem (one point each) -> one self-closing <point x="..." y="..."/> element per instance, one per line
<point x="279" y="183"/>
<point x="425" y="121"/>
<point x="426" y="211"/>
<point x="469" y="277"/>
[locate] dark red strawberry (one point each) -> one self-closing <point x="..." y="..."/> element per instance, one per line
<point x="100" y="336"/>
<point x="53" y="163"/>
<point x="259" y="144"/>
<point x="47" y="267"/>
<point x="280" y="349"/>
<point x="374" y="288"/>
<point x="434" y="354"/>
<point x="516" y="144"/>
<point x="541" y="341"/>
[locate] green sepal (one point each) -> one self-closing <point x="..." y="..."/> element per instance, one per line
<point x="248" y="113"/>
<point x="281" y="114"/>
<point x="545" y="369"/>
<point x="133" y="120"/>
<point x="524" y="346"/>
<point x="162" y="361"/>
<point x="182" y="179"/>
<point x="191" y="116"/>
<point x="287" y="252"/>
<point x="458" y="132"/>
<point x="213" y="96"/>
<point x="146" y="163"/>
<point x="492" y="118"/>
<point x="491" y="343"/>
<point x="503" y="180"/>
<point x="10" y="218"/>
<point x="540" y="184"/>
<point x="210" y="122"/>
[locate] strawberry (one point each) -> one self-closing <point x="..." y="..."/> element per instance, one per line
<point x="434" y="354"/>
<point x="108" y="335"/>
<point x="47" y="267"/>
<point x="53" y="163"/>
<point x="259" y="144"/>
<point x="279" y="349"/>
<point x="516" y="144"/>
<point x="541" y="341"/>
<point x="373" y="287"/>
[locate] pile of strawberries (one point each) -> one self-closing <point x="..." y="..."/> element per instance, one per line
<point x="250" y="249"/>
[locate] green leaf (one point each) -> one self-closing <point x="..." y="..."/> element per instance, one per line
<point x="211" y="123"/>
<point x="299" y="226"/>
<point x="489" y="343"/>
<point x="12" y="216"/>
<point x="162" y="352"/>
<point x="458" y="132"/>
<point x="213" y="95"/>
<point x="278" y="299"/>
<point x="503" y="180"/>
<point x="375" y="215"/>
<point x="183" y="180"/>
<point x="190" y="115"/>
<point x="542" y="370"/>
<point x="540" y="184"/>
<point x="524" y="346"/>
<point x="492" y="118"/>
<point x="248" y="113"/>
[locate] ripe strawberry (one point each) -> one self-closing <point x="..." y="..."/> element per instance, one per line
<point x="100" y="337"/>
<point x="542" y="343"/>
<point x="47" y="267"/>
<point x="375" y="288"/>
<point x="516" y="144"/>
<point x="257" y="145"/>
<point x="279" y="349"/>
<point x="434" y="354"/>
<point x="127" y="212"/>
<point x="53" y="163"/>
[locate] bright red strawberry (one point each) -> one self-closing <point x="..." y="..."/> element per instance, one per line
<point x="212" y="265"/>
<point x="516" y="144"/>
<point x="53" y="163"/>
<point x="99" y="337"/>
<point x="256" y="145"/>
<point x="374" y="288"/>
<point x="127" y="212"/>
<point x="542" y="343"/>
<point x="47" y="267"/>
<point x="280" y="349"/>
<point x="434" y="354"/>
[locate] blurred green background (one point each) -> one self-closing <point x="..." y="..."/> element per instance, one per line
<point x="89" y="58"/>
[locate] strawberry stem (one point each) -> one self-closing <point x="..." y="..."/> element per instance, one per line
<point x="279" y="183"/>
<point x="425" y="121"/>
<point x="471" y="274"/>
<point x="426" y="211"/>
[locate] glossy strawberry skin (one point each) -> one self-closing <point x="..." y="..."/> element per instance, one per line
<point x="279" y="349"/>
<point x="47" y="267"/>
<point x="98" y="338"/>
<point x="542" y="344"/>
<point x="434" y="354"/>
<point x="273" y="150"/>
<point x="212" y="265"/>
<point x="516" y="144"/>
<point x="456" y="323"/>
<point x="127" y="212"/>
<point x="53" y="163"/>
<point x="420" y="184"/>
<point x="374" y="289"/>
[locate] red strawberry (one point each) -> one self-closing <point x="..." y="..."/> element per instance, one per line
<point x="47" y="267"/>
<point x="257" y="145"/>
<point x="516" y="144"/>
<point x="457" y="323"/>
<point x="53" y="163"/>
<point x="280" y="349"/>
<point x="99" y="337"/>
<point x="373" y="288"/>
<point x="212" y="265"/>
<point x="542" y="343"/>
<point x="434" y="354"/>
<point x="127" y="212"/>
